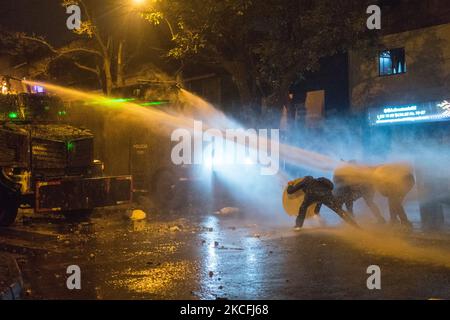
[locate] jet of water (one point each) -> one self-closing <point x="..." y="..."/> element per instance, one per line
<point x="212" y="117"/>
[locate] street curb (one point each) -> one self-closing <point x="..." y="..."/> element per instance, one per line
<point x="15" y="288"/>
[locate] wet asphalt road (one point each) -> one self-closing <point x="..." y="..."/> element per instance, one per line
<point x="210" y="257"/>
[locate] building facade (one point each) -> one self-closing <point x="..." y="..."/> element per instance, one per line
<point x="403" y="96"/>
<point x="413" y="68"/>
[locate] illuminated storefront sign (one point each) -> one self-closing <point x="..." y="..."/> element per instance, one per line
<point x="424" y="112"/>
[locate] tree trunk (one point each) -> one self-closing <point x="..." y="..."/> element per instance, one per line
<point x="100" y="76"/>
<point x="245" y="92"/>
<point x="280" y="97"/>
<point x="179" y="78"/>
<point x="108" y="75"/>
<point x="240" y="73"/>
<point x="120" y="66"/>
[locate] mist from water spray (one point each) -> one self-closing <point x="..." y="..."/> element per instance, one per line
<point x="196" y="108"/>
<point x="389" y="243"/>
<point x="260" y="193"/>
<point x="263" y="194"/>
<point x="212" y="117"/>
<point x="291" y="154"/>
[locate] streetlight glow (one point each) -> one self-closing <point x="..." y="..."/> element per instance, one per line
<point x="138" y="2"/>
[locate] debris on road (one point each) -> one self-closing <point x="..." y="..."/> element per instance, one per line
<point x="228" y="211"/>
<point x="136" y="215"/>
<point x="175" y="229"/>
<point x="11" y="282"/>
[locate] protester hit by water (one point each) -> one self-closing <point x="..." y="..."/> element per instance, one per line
<point x="316" y="192"/>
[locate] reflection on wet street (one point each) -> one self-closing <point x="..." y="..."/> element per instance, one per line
<point x="220" y="257"/>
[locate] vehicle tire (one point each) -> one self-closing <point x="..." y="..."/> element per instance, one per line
<point x="9" y="205"/>
<point x="167" y="192"/>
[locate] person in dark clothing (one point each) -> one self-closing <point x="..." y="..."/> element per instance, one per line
<point x="397" y="211"/>
<point x="318" y="191"/>
<point x="393" y="181"/>
<point x="396" y="193"/>
<point x="348" y="194"/>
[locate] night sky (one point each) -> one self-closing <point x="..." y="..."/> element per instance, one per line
<point x="48" y="17"/>
<point x="41" y="17"/>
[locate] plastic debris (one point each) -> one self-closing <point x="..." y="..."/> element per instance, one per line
<point x="136" y="215"/>
<point x="228" y="211"/>
<point x="174" y="229"/>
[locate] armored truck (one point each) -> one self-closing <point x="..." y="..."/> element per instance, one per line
<point x="48" y="165"/>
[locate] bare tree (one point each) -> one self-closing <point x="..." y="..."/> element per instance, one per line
<point x="94" y="52"/>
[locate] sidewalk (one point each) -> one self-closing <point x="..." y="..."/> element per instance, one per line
<point x="11" y="283"/>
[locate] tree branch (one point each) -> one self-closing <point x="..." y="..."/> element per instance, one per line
<point x="83" y="67"/>
<point x="61" y="52"/>
<point x="169" y="25"/>
<point x="85" y="50"/>
<point x="96" y="34"/>
<point x="41" y="41"/>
